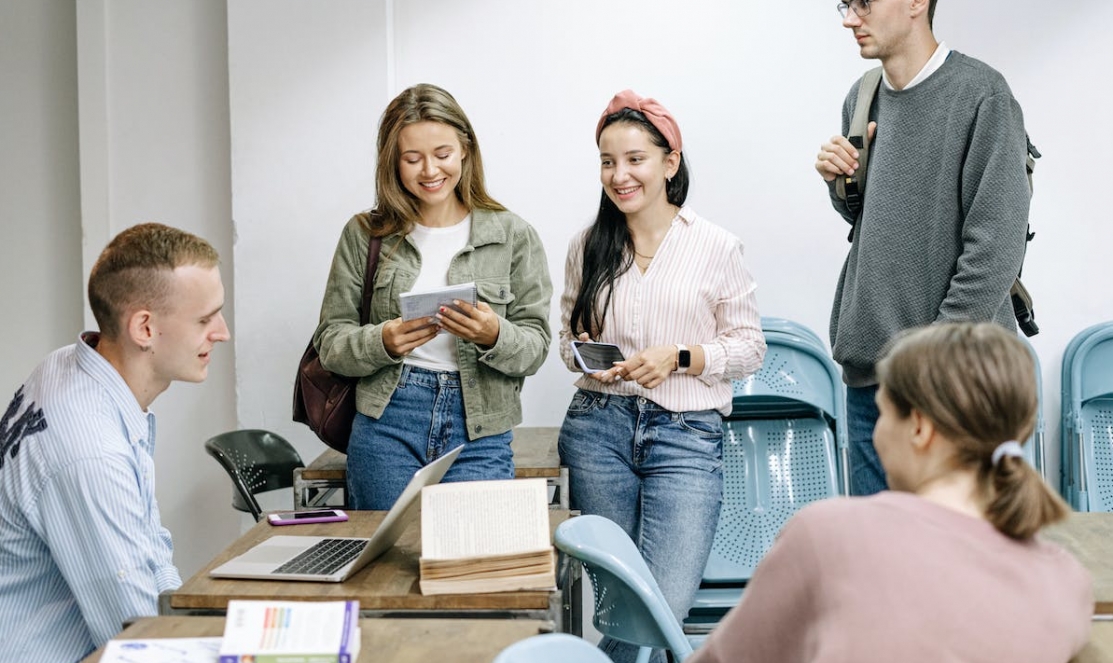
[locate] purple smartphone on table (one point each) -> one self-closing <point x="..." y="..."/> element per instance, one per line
<point x="305" y="517"/>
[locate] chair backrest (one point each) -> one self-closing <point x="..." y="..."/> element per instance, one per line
<point x="257" y="461"/>
<point x="1034" y="447"/>
<point x="552" y="648"/>
<point x="1068" y="465"/>
<point x="1088" y="421"/>
<point x="629" y="605"/>
<point x="798" y="379"/>
<point x="772" y="468"/>
<point x="786" y="326"/>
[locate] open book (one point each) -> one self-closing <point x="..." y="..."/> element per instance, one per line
<point x="486" y="536"/>
<point x="291" y="632"/>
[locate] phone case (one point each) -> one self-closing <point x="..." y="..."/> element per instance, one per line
<point x="603" y="356"/>
<point x="307" y="517"/>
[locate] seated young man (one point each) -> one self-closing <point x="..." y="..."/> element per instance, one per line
<point x="82" y="547"/>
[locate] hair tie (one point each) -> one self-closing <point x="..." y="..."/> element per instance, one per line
<point x="653" y="111"/>
<point x="1010" y="448"/>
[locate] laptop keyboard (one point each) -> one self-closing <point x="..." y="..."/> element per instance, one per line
<point x="324" y="557"/>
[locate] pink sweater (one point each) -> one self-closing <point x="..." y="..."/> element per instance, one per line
<point x="894" y="577"/>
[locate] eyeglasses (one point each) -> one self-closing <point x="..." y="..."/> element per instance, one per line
<point x="859" y="7"/>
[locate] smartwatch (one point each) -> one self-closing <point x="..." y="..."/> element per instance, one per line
<point x="683" y="358"/>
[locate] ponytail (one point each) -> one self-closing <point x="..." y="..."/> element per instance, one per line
<point x="1020" y="502"/>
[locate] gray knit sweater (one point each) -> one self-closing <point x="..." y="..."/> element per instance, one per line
<point x="941" y="237"/>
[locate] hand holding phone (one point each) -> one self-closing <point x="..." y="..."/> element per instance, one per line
<point x="594" y="357"/>
<point x="305" y="517"/>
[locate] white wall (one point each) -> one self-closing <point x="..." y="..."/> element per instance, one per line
<point x="302" y="86"/>
<point x="40" y="253"/>
<point x="755" y="93"/>
<point x="154" y="147"/>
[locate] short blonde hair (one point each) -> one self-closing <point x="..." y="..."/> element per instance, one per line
<point x="133" y="271"/>
<point x="976" y="383"/>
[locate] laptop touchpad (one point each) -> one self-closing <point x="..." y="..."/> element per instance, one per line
<point x="278" y="552"/>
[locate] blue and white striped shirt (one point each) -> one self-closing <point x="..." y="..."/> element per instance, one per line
<point x="82" y="547"/>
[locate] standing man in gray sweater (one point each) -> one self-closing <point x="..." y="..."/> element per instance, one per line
<point x="941" y="233"/>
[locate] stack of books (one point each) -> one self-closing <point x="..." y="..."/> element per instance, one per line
<point x="291" y="632"/>
<point x="486" y="536"/>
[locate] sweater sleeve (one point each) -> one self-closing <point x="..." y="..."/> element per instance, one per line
<point x="995" y="199"/>
<point x="847" y="113"/>
<point x="777" y="613"/>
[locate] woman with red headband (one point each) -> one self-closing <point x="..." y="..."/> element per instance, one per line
<point x="643" y="438"/>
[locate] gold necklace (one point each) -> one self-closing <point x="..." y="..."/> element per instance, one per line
<point x="643" y="256"/>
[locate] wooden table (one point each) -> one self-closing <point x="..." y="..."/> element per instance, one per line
<point x="1100" y="647"/>
<point x="382" y="640"/>
<point x="535" y="456"/>
<point x="1090" y="537"/>
<point x="387" y="587"/>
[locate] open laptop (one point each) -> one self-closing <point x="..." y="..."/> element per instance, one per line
<point x="334" y="559"/>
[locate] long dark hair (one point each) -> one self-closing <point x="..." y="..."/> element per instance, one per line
<point x="609" y="248"/>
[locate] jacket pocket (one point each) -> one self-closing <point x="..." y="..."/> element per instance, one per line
<point x="496" y="293"/>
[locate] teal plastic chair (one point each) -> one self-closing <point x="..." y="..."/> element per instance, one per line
<point x="257" y="461"/>
<point x="552" y="648"/>
<point x="1034" y="448"/>
<point x="1088" y="419"/>
<point x="629" y="605"/>
<point x="784" y="446"/>
<point x="1070" y="465"/>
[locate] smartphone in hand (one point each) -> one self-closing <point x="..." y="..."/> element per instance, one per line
<point x="595" y="357"/>
<point x="305" y="517"/>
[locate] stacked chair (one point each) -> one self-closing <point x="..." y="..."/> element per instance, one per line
<point x="1086" y="433"/>
<point x="1034" y="448"/>
<point x="784" y="446"/>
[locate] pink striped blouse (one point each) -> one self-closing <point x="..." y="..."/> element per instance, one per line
<point x="696" y="291"/>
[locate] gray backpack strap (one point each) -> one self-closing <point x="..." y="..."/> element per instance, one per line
<point x="852" y="188"/>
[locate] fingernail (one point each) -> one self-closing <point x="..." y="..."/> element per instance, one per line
<point x="442" y="309"/>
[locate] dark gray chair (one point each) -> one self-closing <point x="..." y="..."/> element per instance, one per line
<point x="257" y="461"/>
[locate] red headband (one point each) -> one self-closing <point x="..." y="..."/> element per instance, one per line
<point x="653" y="111"/>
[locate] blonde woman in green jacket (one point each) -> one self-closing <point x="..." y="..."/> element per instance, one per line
<point x="431" y="384"/>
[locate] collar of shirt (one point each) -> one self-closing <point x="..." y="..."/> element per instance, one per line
<point x="930" y="67"/>
<point x="140" y="425"/>
<point x="687" y="215"/>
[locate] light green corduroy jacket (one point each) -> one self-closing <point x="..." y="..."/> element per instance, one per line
<point x="504" y="257"/>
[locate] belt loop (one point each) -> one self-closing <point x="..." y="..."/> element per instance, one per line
<point x="404" y="377"/>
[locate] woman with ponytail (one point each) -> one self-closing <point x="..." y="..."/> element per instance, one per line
<point x="643" y="438"/>
<point x="948" y="566"/>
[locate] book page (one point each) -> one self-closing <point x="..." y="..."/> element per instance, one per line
<point x="162" y="650"/>
<point x="477" y="518"/>
<point x="426" y="303"/>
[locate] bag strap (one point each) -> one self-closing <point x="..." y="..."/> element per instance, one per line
<point x="852" y="188"/>
<point x="374" y="246"/>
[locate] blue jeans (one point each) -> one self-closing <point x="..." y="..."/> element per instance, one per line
<point x="656" y="473"/>
<point x="423" y="421"/>
<point x="867" y="476"/>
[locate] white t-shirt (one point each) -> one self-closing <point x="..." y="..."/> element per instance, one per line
<point x="438" y="246"/>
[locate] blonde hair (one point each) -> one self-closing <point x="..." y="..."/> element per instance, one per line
<point x="396" y="209"/>
<point x="134" y="271"/>
<point x="976" y="383"/>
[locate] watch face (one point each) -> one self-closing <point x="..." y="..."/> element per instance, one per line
<point x="684" y="358"/>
